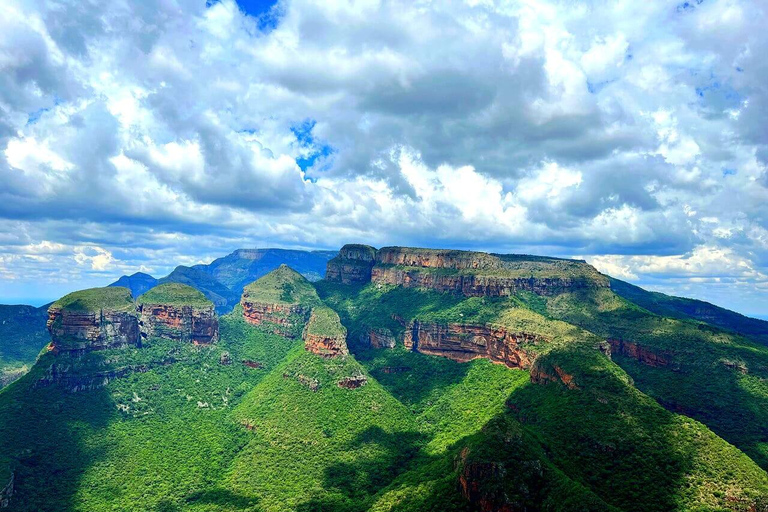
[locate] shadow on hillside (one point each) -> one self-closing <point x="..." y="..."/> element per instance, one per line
<point x="226" y="499"/>
<point x="628" y="451"/>
<point x="45" y="433"/>
<point x="716" y="399"/>
<point x="360" y="480"/>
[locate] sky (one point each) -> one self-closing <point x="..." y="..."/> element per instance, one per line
<point x="137" y="136"/>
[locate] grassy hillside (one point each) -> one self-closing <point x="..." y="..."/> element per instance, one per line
<point x="257" y="423"/>
<point x="712" y="375"/>
<point x="683" y="308"/>
<point x="114" y="298"/>
<point x="174" y="294"/>
<point x="282" y="286"/>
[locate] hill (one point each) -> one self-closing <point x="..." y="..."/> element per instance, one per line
<point x="224" y="279"/>
<point x="410" y="380"/>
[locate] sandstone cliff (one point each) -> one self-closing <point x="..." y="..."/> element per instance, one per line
<point x="178" y="312"/>
<point x="94" y="319"/>
<point x="324" y="335"/>
<point x="465" y="342"/>
<point x="640" y="353"/>
<point x="473" y="274"/>
<point x="280" y="302"/>
<point x="352" y="265"/>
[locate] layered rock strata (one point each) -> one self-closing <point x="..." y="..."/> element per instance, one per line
<point x="473" y="274"/>
<point x="352" y="265"/>
<point x="195" y="324"/>
<point x="80" y="331"/>
<point x="472" y="285"/>
<point x="324" y="335"/>
<point x="283" y="319"/>
<point x="465" y="342"/>
<point x="377" y="338"/>
<point x="640" y="353"/>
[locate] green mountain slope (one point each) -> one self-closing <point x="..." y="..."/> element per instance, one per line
<point x="532" y="388"/>
<point x="680" y="307"/>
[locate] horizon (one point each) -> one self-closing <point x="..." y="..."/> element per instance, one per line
<point x="41" y="301"/>
<point x="629" y="135"/>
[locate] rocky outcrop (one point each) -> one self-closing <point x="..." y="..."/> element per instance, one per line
<point x="353" y="382"/>
<point x="72" y="378"/>
<point x="641" y="353"/>
<point x="437" y="258"/>
<point x="283" y="319"/>
<point x="543" y="373"/>
<point x="473" y="274"/>
<point x="377" y="338"/>
<point x="352" y="265"/>
<point x="80" y="331"/>
<point x="472" y="285"/>
<point x="308" y="382"/>
<point x="6" y="492"/>
<point x="324" y="335"/>
<point x="185" y="323"/>
<point x="465" y="342"/>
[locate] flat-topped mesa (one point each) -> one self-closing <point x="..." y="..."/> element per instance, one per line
<point x="465" y="342"/>
<point x="352" y="265"/>
<point x="473" y="274"/>
<point x="178" y="312"/>
<point x="93" y="319"/>
<point x="280" y="301"/>
<point x="324" y="335"/>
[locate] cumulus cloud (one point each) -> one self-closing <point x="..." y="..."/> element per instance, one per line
<point x="143" y="135"/>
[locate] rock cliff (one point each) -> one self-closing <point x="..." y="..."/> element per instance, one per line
<point x="324" y="335"/>
<point x="465" y="342"/>
<point x="473" y="274"/>
<point x="352" y="265"/>
<point x="640" y="353"/>
<point x="94" y="319"/>
<point x="178" y="312"/>
<point x="543" y="373"/>
<point x="280" y="302"/>
<point x="377" y="338"/>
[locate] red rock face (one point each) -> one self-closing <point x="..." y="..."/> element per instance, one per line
<point x="198" y="325"/>
<point x="465" y="342"/>
<point x="471" y="479"/>
<point x="542" y="375"/>
<point x="640" y="353"/>
<point x="325" y="346"/>
<point x="473" y="285"/>
<point x="436" y="259"/>
<point x="285" y="320"/>
<point x="80" y="331"/>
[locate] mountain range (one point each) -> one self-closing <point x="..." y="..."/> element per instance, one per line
<point x="405" y="380"/>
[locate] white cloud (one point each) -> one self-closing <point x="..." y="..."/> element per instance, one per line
<point x="173" y="131"/>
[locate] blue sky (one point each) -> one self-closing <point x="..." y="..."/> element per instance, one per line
<point x="151" y="134"/>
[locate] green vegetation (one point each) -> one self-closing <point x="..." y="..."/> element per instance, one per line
<point x="22" y="335"/>
<point x="174" y="294"/>
<point x="115" y="298"/>
<point x="257" y="423"/>
<point x="325" y="322"/>
<point x="282" y="286"/>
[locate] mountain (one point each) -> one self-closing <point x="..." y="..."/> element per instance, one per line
<point x="407" y="380"/>
<point x="22" y="336"/>
<point x="223" y="280"/>
<point x="138" y="283"/>
<point x="679" y="307"/>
